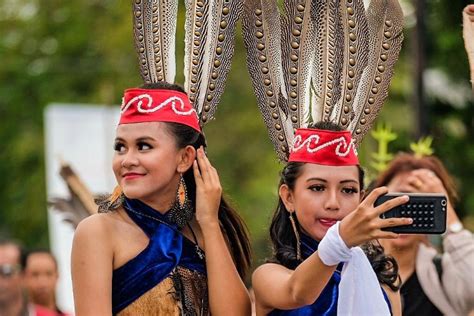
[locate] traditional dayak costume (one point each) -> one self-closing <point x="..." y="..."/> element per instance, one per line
<point x="169" y="276"/>
<point x="326" y="61"/>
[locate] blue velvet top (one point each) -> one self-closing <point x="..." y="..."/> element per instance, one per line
<point x="166" y="250"/>
<point x="326" y="303"/>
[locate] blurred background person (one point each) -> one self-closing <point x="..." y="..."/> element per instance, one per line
<point x="13" y="300"/>
<point x="432" y="283"/>
<point x="40" y="279"/>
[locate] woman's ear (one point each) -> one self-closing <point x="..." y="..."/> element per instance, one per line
<point x="187" y="156"/>
<point x="286" y="196"/>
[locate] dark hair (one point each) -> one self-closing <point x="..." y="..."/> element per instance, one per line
<point x="21" y="251"/>
<point x="233" y="227"/>
<point x="28" y="253"/>
<point x="284" y="240"/>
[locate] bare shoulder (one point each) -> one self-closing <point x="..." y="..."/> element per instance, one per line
<point x="95" y="224"/>
<point x="101" y="223"/>
<point x="267" y="282"/>
<point x="101" y="227"/>
<point x="270" y="268"/>
<point x="266" y="273"/>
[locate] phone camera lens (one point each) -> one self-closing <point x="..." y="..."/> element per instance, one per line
<point x="443" y="202"/>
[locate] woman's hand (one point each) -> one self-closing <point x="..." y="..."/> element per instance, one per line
<point x="208" y="189"/>
<point x="365" y="224"/>
<point x="426" y="181"/>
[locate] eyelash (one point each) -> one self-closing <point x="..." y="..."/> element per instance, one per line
<point x="119" y="146"/>
<point x="350" y="190"/>
<point x="319" y="188"/>
<point x="140" y="146"/>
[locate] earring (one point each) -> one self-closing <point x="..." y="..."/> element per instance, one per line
<point x="182" y="211"/>
<point x="297" y="236"/>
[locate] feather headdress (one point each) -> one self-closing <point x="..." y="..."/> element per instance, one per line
<point x="320" y="60"/>
<point x="209" y="46"/>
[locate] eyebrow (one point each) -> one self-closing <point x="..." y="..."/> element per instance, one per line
<point x="140" y="139"/>
<point x="325" y="181"/>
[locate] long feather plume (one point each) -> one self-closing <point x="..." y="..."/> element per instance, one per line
<point x="262" y="37"/>
<point x="385" y="20"/>
<point x="329" y="59"/>
<point x="210" y="32"/>
<point x="195" y="58"/>
<point x="154" y="32"/>
<point x="298" y="42"/>
<point x="355" y="49"/>
<point x="336" y="61"/>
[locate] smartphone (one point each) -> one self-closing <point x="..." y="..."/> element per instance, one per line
<point x="428" y="211"/>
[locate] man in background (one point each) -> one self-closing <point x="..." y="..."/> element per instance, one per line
<point x="12" y="301"/>
<point x="40" y="279"/>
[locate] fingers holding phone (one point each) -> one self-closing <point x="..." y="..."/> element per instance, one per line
<point x="428" y="212"/>
<point x="364" y="223"/>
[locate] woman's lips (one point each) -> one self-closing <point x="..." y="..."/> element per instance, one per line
<point x="327" y="222"/>
<point x="131" y="176"/>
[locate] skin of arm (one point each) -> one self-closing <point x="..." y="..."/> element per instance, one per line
<point x="276" y="286"/>
<point x="227" y="292"/>
<point x="92" y="265"/>
<point x="395" y="300"/>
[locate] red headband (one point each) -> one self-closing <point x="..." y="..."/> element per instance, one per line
<point x="149" y="105"/>
<point x="323" y="147"/>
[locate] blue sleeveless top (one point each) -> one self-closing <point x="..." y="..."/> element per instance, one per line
<point x="326" y="303"/>
<point x="167" y="249"/>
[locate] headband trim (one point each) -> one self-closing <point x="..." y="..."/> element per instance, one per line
<point x="150" y="105"/>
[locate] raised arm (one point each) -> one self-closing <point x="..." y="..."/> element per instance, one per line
<point x="278" y="287"/>
<point x="92" y="259"/>
<point x="227" y="292"/>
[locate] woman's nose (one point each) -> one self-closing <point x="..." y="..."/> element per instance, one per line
<point x="331" y="202"/>
<point x="129" y="159"/>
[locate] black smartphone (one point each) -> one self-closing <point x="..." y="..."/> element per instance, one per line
<point x="428" y="211"/>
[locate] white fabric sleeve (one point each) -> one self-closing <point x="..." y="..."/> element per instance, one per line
<point x="360" y="293"/>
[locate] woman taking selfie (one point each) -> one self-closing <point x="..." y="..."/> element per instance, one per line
<point x="319" y="222"/>
<point x="330" y="63"/>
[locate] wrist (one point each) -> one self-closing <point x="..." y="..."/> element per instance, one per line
<point x="343" y="235"/>
<point x="209" y="223"/>
<point x="454" y="227"/>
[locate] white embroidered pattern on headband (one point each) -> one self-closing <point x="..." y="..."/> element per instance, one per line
<point x="149" y="108"/>
<point x="314" y="139"/>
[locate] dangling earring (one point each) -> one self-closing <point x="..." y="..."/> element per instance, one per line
<point x="297" y="236"/>
<point x="182" y="211"/>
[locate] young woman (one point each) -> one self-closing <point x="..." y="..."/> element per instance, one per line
<point x="432" y="283"/>
<point x="168" y="243"/>
<point x="317" y="268"/>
